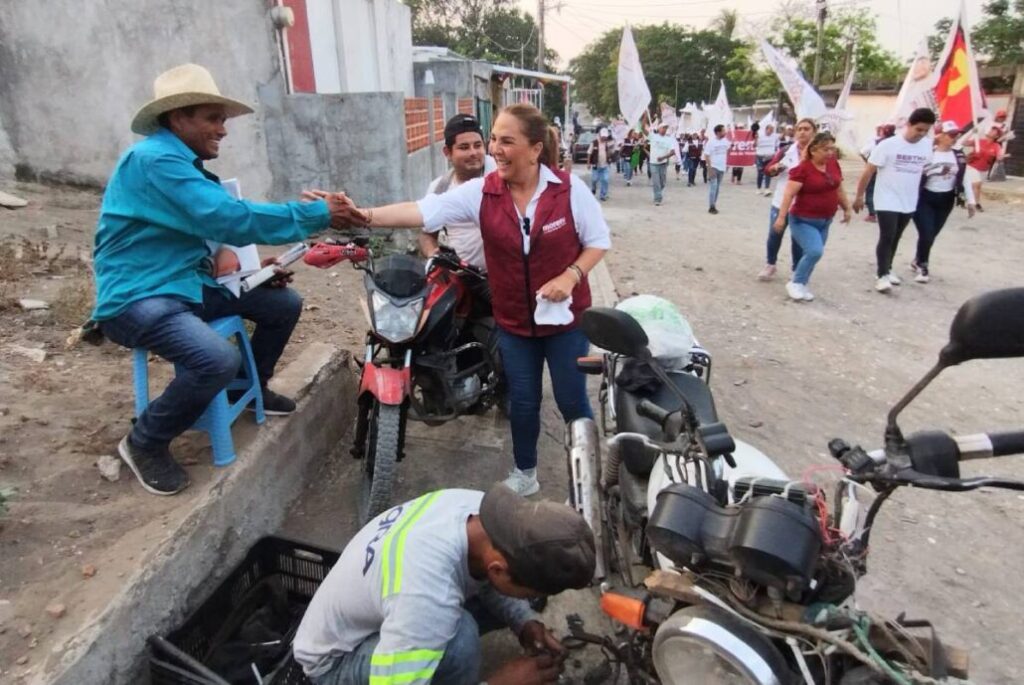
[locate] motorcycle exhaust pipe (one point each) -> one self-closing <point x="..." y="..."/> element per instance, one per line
<point x="585" y="496"/>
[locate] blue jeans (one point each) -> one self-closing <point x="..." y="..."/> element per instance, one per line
<point x="627" y="171"/>
<point x="460" y="664"/>
<point x="177" y="331"/>
<point x="658" y="173"/>
<point x="775" y="241"/>
<point x="762" y="162"/>
<point x="523" y="359"/>
<point x="811" y="235"/>
<point x="714" y="183"/>
<point x="599" y="177"/>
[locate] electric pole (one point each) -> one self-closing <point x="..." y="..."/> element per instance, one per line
<point x="540" y="35"/>
<point x="822" y="6"/>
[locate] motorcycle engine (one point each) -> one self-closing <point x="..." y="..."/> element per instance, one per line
<point x="769" y="540"/>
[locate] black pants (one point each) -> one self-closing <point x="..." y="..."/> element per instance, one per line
<point x="932" y="211"/>
<point x="691" y="173"/>
<point x="737" y="173"/>
<point x="890" y="229"/>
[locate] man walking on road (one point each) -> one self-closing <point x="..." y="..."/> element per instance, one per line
<point x="662" y="148"/>
<point x="715" y="154"/>
<point x="599" y="163"/>
<point x="414" y="589"/>
<point x="899" y="162"/>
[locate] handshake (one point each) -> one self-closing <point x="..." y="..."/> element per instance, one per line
<point x="344" y="213"/>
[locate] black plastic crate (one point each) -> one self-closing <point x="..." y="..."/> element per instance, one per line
<point x="287" y="570"/>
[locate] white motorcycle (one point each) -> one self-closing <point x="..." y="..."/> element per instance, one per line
<point x="754" y="573"/>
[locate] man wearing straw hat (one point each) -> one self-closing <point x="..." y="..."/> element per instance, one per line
<point x="155" y="285"/>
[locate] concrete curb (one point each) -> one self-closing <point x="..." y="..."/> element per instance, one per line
<point x="247" y="501"/>
<point x="602" y="287"/>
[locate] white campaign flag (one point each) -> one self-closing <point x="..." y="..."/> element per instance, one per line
<point x="918" y="89"/>
<point x="835" y="119"/>
<point x="720" y="112"/>
<point x="668" y="116"/>
<point x="620" y="129"/>
<point x="767" y="120"/>
<point x="806" y="101"/>
<point x="634" y="95"/>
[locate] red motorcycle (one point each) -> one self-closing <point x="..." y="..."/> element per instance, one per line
<point x="431" y="353"/>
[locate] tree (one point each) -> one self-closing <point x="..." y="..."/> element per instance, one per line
<point x="937" y="40"/>
<point x="848" y="34"/>
<point x="1000" y="35"/>
<point x="725" y="23"/>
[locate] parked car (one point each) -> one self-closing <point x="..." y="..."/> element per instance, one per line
<point x="581" y="148"/>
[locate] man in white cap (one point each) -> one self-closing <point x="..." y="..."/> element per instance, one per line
<point x="599" y="163"/>
<point x="155" y="276"/>
<point x="662" y="148"/>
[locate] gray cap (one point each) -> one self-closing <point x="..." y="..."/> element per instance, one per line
<point x="548" y="546"/>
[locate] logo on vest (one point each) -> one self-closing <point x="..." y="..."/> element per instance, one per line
<point x="554" y="225"/>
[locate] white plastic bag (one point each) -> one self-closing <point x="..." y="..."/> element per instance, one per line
<point x="669" y="334"/>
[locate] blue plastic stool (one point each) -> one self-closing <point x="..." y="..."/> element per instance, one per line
<point x="221" y="413"/>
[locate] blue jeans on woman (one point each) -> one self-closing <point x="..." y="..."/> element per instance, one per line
<point x="811" y="235"/>
<point x="207" y="362"/>
<point x="762" y="162"/>
<point x="523" y="359"/>
<point x="775" y="241"/>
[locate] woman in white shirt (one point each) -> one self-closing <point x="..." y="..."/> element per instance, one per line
<point x="941" y="183"/>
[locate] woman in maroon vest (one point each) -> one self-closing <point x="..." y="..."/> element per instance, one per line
<point x="543" y="231"/>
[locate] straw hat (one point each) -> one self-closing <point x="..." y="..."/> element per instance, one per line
<point x="182" y="86"/>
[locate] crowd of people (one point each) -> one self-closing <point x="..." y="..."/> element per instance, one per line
<point x="917" y="175"/>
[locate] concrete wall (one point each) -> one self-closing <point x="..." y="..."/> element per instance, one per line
<point x="72" y="76"/>
<point x="376" y="42"/>
<point x="353" y="142"/>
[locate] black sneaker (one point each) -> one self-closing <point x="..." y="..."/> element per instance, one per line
<point x="273" y="404"/>
<point x="156" y="469"/>
<point x="712" y="210"/>
<point x="276" y="405"/>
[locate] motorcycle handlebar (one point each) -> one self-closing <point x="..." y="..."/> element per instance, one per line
<point x="986" y="445"/>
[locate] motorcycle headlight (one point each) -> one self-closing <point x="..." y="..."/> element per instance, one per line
<point x="704" y="645"/>
<point x="393" y="323"/>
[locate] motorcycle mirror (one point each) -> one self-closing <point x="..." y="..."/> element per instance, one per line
<point x="615" y="331"/>
<point x="989" y="326"/>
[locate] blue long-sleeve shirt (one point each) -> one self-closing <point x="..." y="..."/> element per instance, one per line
<point x="158" y="211"/>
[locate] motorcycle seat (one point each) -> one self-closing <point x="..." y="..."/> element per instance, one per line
<point x="627" y="420"/>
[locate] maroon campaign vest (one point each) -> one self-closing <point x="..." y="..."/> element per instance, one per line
<point x="554" y="245"/>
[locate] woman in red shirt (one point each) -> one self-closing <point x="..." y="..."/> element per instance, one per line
<point x="813" y="194"/>
<point x="982" y="154"/>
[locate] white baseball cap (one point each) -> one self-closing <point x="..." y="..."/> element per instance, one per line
<point x="948" y="127"/>
<point x="604" y="133"/>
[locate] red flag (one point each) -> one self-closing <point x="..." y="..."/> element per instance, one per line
<point x="953" y="90"/>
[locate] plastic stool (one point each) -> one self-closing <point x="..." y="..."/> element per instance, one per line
<point x="221" y="412"/>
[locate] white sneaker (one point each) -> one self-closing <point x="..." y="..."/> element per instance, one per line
<point x="883" y="284"/>
<point x="523" y="483"/>
<point x="767" y="273"/>
<point x="796" y="291"/>
<point x="808" y="295"/>
<point x="894" y="279"/>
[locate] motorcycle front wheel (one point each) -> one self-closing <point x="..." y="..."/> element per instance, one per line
<point x="380" y="458"/>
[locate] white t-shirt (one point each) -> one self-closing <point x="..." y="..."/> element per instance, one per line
<point x="767" y="144"/>
<point x="406" y="576"/>
<point x="464" y="237"/>
<point x="661" y="146"/>
<point x="717" y="151"/>
<point x="790" y="160"/>
<point x="940" y="174"/>
<point x="900" y="165"/>
<point x="462" y="204"/>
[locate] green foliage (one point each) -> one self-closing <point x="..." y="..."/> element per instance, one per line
<point x="937" y="40"/>
<point x="848" y="33"/>
<point x="680" y="65"/>
<point x="1000" y="36"/>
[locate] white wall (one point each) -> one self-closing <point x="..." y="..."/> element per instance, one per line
<point x="376" y="43"/>
<point x="324" y="45"/>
